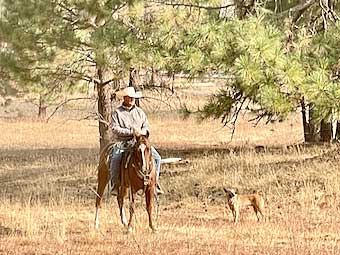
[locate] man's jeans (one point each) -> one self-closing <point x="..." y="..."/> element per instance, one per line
<point x="116" y="157"/>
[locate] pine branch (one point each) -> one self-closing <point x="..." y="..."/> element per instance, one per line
<point x="65" y="102"/>
<point x="237" y="112"/>
<point x="193" y="5"/>
<point x="299" y="8"/>
<point x="162" y="101"/>
<point x="119" y="7"/>
<point x="63" y="6"/>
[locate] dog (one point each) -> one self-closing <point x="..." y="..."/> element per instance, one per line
<point x="236" y="202"/>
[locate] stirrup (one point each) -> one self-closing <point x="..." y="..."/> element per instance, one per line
<point x="159" y="190"/>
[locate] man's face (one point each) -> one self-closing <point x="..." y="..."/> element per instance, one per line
<point x="129" y="101"/>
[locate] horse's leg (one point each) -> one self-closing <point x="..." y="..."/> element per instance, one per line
<point x="132" y="209"/>
<point x="120" y="198"/>
<point x="103" y="178"/>
<point x="149" y="197"/>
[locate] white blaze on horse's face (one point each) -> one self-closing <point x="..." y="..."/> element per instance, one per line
<point x="142" y="148"/>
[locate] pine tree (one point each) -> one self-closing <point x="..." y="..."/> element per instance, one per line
<point x="29" y="57"/>
<point x="264" y="52"/>
<point x="266" y="58"/>
<point x="92" y="33"/>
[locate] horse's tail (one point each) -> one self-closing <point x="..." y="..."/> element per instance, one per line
<point x="103" y="171"/>
<point x="105" y="153"/>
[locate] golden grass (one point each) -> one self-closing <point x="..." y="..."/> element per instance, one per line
<point x="47" y="174"/>
<point x="33" y="134"/>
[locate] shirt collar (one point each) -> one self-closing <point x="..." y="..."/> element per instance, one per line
<point x="128" y="108"/>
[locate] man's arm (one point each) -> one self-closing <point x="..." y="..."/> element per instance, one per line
<point x="145" y="124"/>
<point x="117" y="129"/>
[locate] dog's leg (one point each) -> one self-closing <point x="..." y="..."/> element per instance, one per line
<point x="261" y="212"/>
<point x="234" y="214"/>
<point x="237" y="214"/>
<point x="258" y="211"/>
<point x="260" y="208"/>
<point x="232" y="209"/>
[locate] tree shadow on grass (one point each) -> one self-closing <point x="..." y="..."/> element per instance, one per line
<point x="40" y="175"/>
<point x="6" y="231"/>
<point x="44" y="174"/>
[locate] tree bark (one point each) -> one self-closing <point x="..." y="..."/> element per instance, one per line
<point x="104" y="110"/>
<point x="306" y="130"/>
<point x="310" y="128"/>
<point x="325" y="131"/>
<point x="42" y="111"/>
<point x="133" y="81"/>
<point x="337" y="131"/>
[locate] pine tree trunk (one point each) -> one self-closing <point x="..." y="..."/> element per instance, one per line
<point x="104" y="110"/>
<point x="325" y="131"/>
<point x="337" y="131"/>
<point x="153" y="78"/>
<point x="306" y="130"/>
<point x="42" y="111"/>
<point x="133" y="78"/>
<point x="310" y="129"/>
<point x="314" y="132"/>
<point x="133" y="81"/>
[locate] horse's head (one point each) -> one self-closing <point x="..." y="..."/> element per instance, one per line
<point x="143" y="152"/>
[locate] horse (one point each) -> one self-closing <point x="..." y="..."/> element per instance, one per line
<point x="137" y="171"/>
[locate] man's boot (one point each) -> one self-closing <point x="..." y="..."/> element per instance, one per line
<point x="114" y="189"/>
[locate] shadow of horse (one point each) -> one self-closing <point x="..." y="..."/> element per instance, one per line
<point x="137" y="172"/>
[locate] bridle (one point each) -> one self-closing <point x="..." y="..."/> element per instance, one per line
<point x="142" y="159"/>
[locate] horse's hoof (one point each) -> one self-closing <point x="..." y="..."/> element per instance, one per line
<point x="128" y="231"/>
<point x="154" y="231"/>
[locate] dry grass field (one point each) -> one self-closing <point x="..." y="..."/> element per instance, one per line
<point x="48" y="172"/>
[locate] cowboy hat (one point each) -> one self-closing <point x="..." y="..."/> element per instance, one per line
<point x="130" y="92"/>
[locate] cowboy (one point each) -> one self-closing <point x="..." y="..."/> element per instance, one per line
<point x="125" y="119"/>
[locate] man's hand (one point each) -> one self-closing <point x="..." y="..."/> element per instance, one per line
<point x="136" y="132"/>
<point x="139" y="132"/>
